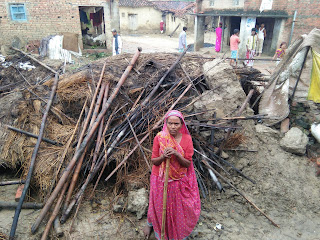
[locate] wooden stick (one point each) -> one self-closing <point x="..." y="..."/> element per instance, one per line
<point x="187" y="75"/>
<point x="96" y="151"/>
<point x="5" y="183"/>
<point x="137" y="140"/>
<point x="26" y="205"/>
<point x="54" y="213"/>
<point x="164" y="206"/>
<point x="84" y="129"/>
<point x="83" y="145"/>
<point x="105" y="163"/>
<point x="212" y="175"/>
<point x="36" y="60"/>
<point x="170" y="35"/>
<point x="231" y="185"/>
<point x="33" y="159"/>
<point x="32" y="135"/>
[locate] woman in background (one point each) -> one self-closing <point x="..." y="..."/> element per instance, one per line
<point x="218" y="37"/>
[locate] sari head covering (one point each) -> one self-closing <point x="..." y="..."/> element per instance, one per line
<point x="175" y="113"/>
<point x="176" y="171"/>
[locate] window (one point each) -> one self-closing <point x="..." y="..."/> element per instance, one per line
<point x="123" y="14"/>
<point x="18" y="12"/>
<point x="235" y="2"/>
<point x="212" y="3"/>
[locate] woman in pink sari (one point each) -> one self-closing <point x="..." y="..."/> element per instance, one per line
<point x="218" y="37"/>
<point x="183" y="200"/>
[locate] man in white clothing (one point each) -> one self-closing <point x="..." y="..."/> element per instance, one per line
<point x="183" y="40"/>
<point x="117" y="43"/>
<point x="262" y="33"/>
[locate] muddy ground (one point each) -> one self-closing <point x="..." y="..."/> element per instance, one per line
<point x="286" y="190"/>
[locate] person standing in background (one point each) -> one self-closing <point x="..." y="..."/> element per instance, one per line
<point x="234" y="46"/>
<point x="183" y="40"/>
<point x="262" y="33"/>
<point x="218" y="37"/>
<point x="280" y="52"/>
<point x="117" y="43"/>
<point x="251" y="47"/>
<point x="161" y="26"/>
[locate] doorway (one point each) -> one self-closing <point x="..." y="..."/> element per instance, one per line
<point x="269" y="25"/>
<point x="133" y="22"/>
<point x="92" y="22"/>
<point x="234" y="24"/>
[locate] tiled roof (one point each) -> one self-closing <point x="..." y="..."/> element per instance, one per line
<point x="135" y="3"/>
<point x="177" y="7"/>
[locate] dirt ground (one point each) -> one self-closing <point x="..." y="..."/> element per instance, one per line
<point x="286" y="190"/>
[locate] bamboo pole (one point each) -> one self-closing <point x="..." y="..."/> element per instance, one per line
<point x="27" y="205"/>
<point x="84" y="129"/>
<point x="85" y="142"/>
<point x="5" y="183"/>
<point x="105" y="162"/>
<point x="164" y="206"/>
<point x="105" y="90"/>
<point x="212" y="175"/>
<point x="32" y="135"/>
<point x="33" y="159"/>
<point x="54" y="213"/>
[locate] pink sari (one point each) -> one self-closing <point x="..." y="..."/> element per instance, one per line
<point x="183" y="201"/>
<point x="218" y="39"/>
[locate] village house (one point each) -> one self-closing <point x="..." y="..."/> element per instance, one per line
<point x="144" y="16"/>
<point x="284" y="20"/>
<point x="36" y="19"/>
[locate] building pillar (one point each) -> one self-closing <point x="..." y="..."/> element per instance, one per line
<point x="278" y="26"/>
<point x="199" y="32"/>
<point x="226" y="32"/>
<point x="247" y="23"/>
<point x="112" y="19"/>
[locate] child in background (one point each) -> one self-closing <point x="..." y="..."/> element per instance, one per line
<point x="234" y="46"/>
<point x="280" y="52"/>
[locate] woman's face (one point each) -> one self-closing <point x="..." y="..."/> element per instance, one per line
<point x="174" y="125"/>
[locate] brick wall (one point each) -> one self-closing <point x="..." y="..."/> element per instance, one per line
<point x="308" y="14"/>
<point x="44" y="17"/>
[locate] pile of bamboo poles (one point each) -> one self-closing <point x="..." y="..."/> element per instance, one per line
<point x="108" y="127"/>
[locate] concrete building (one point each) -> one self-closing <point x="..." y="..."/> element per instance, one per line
<point x="36" y="19"/>
<point x="277" y="15"/>
<point x="144" y="16"/>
